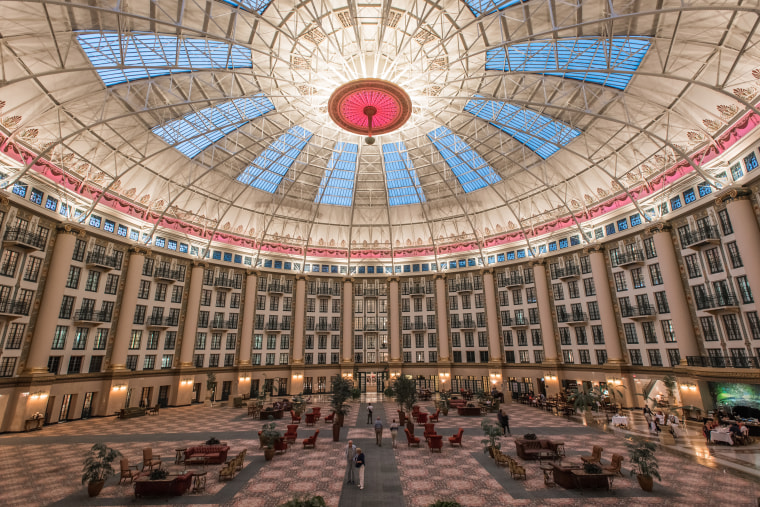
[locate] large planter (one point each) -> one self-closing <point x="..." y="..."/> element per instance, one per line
<point x="410" y="426"/>
<point x="339" y="418"/>
<point x="94" y="488"/>
<point x="336" y="432"/>
<point x="646" y="482"/>
<point x="269" y="453"/>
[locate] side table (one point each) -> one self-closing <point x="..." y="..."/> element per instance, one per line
<point x="179" y="456"/>
<point x="548" y="471"/>
<point x="199" y="482"/>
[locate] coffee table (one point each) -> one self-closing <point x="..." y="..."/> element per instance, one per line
<point x="199" y="482"/>
<point x="546" y="455"/>
<point x="548" y="471"/>
<point x="197" y="460"/>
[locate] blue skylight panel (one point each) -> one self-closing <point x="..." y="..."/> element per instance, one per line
<point x="131" y="56"/>
<point x="266" y="172"/>
<point x="472" y="171"/>
<point x="485" y="7"/>
<point x="538" y="132"/>
<point x="337" y="186"/>
<point x="594" y="60"/>
<point x="257" y="6"/>
<point x="195" y="132"/>
<point x="400" y="177"/>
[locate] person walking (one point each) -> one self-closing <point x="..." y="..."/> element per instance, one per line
<point x="394" y="433"/>
<point x="378" y="432"/>
<point x="370" y="408"/>
<point x="360" y="465"/>
<point x="504" y="421"/>
<point x="350" y="455"/>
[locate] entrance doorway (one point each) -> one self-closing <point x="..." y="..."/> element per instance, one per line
<point x="372" y="381"/>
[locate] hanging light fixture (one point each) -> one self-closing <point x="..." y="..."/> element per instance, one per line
<point x="370" y="106"/>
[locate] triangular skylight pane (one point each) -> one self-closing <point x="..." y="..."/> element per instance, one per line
<point x="472" y="171"/>
<point x="257" y="6"/>
<point x="595" y="60"/>
<point x="485" y="7"/>
<point x="337" y="186"/>
<point x="400" y="177"/>
<point x="197" y="131"/>
<point x="538" y="132"/>
<point x="266" y="172"/>
<point x="119" y="58"/>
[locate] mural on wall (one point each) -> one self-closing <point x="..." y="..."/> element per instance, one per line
<point x="734" y="395"/>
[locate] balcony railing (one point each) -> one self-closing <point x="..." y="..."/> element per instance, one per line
<point x="723" y="362"/>
<point x="102" y="260"/>
<point x="464" y="324"/>
<point x="224" y="324"/>
<point x="416" y="290"/>
<point x="169" y="274"/>
<point x="327" y="292"/>
<point x="370" y="292"/>
<point x="91" y="316"/>
<point x="572" y="317"/>
<point x="514" y="280"/>
<point x="272" y="326"/>
<point x="634" y="312"/>
<point x="223" y="282"/>
<point x="722" y="302"/>
<point x="569" y="271"/>
<point x="630" y="258"/>
<point x="703" y="236"/>
<point x="163" y="321"/>
<point x="13" y="307"/>
<point x="24" y="238"/>
<point x="375" y="327"/>
<point x="326" y="327"/>
<point x="518" y="322"/>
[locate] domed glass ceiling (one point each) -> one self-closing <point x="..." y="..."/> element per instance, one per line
<point x="526" y="115"/>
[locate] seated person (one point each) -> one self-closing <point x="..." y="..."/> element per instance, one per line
<point x="744" y="429"/>
<point x="734" y="429"/>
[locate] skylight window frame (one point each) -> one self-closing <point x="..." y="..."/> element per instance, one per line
<point x="270" y="167"/>
<point x="190" y="135"/>
<point x="126" y="57"/>
<point x="401" y="180"/>
<point x="336" y="187"/>
<point x="258" y="7"/>
<point x="496" y="6"/>
<point x="470" y="169"/>
<point x="503" y="115"/>
<point x="625" y="55"/>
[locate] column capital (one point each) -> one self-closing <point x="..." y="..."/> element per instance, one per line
<point x="593" y="249"/>
<point x="439" y="275"/>
<point x="302" y="276"/>
<point x="139" y="250"/>
<point x="394" y="279"/>
<point x="488" y="270"/>
<point x="70" y="229"/>
<point x="345" y="279"/>
<point x="5" y="203"/>
<point x="733" y="194"/>
<point x="537" y="262"/>
<point x="199" y="264"/>
<point x="252" y="272"/>
<point x="659" y="227"/>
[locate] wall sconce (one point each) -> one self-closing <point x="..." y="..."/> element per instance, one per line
<point x="495" y="378"/>
<point x="119" y="387"/>
<point x="615" y="381"/>
<point x="394" y="374"/>
<point x="297" y="376"/>
<point x="690" y="387"/>
<point x="185" y="382"/>
<point x="39" y="395"/>
<point x="550" y="377"/>
<point x="246" y="378"/>
<point x="346" y="375"/>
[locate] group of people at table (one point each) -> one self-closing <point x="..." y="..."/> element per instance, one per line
<point x="719" y="429"/>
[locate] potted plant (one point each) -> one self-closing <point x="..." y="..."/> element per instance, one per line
<point x="530" y="436"/>
<point x="98" y="468"/>
<point x="445" y="503"/>
<point x="158" y="474"/>
<point x="307" y="501"/>
<point x="341" y="392"/>
<point x="298" y="404"/>
<point x="269" y="435"/>
<point x="592" y="468"/>
<point x="443" y="404"/>
<point x="644" y="462"/>
<point x="212" y="441"/>
<point x="491" y="432"/>
<point x="583" y="401"/>
<point x="405" y="392"/>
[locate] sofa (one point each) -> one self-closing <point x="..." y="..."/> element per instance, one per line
<point x="529" y="449"/>
<point x="214" y="454"/>
<point x="171" y="486"/>
<point x="469" y="411"/>
<point x="126" y="413"/>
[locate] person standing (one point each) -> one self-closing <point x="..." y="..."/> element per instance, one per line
<point x="350" y="455"/>
<point x="360" y="465"/>
<point x="504" y="421"/>
<point x="394" y="433"/>
<point x="378" y="432"/>
<point x="369" y="413"/>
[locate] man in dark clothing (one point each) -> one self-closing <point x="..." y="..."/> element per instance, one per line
<point x="504" y="421"/>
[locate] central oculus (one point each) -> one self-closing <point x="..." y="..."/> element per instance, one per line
<point x="369" y="106"/>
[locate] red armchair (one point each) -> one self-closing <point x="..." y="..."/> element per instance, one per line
<point x="457" y="439"/>
<point x="434" y="417"/>
<point x="435" y="442"/>
<point x="411" y="440"/>
<point x="311" y="441"/>
<point x="422" y="417"/>
<point x="310" y="418"/>
<point x="330" y="418"/>
<point x="429" y="430"/>
<point x="294" y="418"/>
<point x="315" y="411"/>
<point x="292" y="434"/>
<point x="280" y="446"/>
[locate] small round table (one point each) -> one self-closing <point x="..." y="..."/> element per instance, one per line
<point x="179" y="456"/>
<point x="548" y="471"/>
<point x="199" y="482"/>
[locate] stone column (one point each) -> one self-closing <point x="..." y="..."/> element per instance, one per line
<point x="52" y="296"/>
<point x="347" y="308"/>
<point x="545" y="306"/>
<point x="442" y="318"/>
<point x="249" y="312"/>
<point x="495" y="350"/>
<point x="127" y="304"/>
<point x="674" y="290"/>
<point x="299" y="319"/>
<point x="744" y="221"/>
<point x="394" y="319"/>
<point x="606" y="305"/>
<point x="190" y="325"/>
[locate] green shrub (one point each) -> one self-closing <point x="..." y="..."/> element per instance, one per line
<point x="310" y="501"/>
<point x="445" y="503"/>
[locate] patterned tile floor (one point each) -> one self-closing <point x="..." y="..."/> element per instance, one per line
<point x="43" y="468"/>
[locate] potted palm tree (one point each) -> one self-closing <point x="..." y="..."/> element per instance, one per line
<point x="443" y="404"/>
<point x="98" y="468"/>
<point x="583" y="401"/>
<point x="491" y="432"/>
<point x="644" y="462"/>
<point x="405" y="391"/>
<point x="269" y="435"/>
<point x="341" y="392"/>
